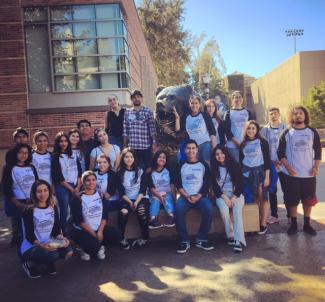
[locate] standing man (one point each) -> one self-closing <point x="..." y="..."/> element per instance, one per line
<point x="87" y="139"/>
<point x="192" y="182"/>
<point x="300" y="152"/>
<point x="271" y="132"/>
<point x="139" y="130"/>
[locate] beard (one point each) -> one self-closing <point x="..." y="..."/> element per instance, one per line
<point x="298" y="122"/>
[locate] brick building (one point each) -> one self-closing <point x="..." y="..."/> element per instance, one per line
<point x="60" y="59"/>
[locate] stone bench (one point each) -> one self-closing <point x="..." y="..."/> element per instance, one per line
<point x="250" y="217"/>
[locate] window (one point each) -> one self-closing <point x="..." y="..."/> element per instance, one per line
<point x="80" y="47"/>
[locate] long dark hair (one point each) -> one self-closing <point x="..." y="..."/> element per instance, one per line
<point x="16" y="150"/>
<point x="290" y="115"/>
<point x="230" y="164"/>
<point x="154" y="165"/>
<point x="57" y="148"/>
<point x="51" y="201"/>
<point x="122" y="167"/>
<point x="245" y="136"/>
<point x="81" y="146"/>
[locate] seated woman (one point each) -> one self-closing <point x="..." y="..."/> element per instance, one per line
<point x="107" y="183"/>
<point x="227" y="184"/>
<point x="89" y="214"/>
<point x="43" y="243"/>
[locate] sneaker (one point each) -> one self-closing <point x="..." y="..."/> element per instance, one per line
<point x="183" y="248"/>
<point x="309" y="230"/>
<point x="154" y="224"/>
<point x="125" y="244"/>
<point x="292" y="229"/>
<point x="263" y="230"/>
<point x="204" y="245"/>
<point x="139" y="242"/>
<point x="273" y="220"/>
<point x="84" y="256"/>
<point x="50" y="269"/>
<point x="101" y="253"/>
<point x="30" y="271"/>
<point x="237" y="247"/>
<point x="231" y="241"/>
<point x="170" y="221"/>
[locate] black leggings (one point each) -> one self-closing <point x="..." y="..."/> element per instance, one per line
<point x="90" y="244"/>
<point x="274" y="199"/>
<point x="141" y="211"/>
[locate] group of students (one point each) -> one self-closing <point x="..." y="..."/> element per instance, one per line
<point x="68" y="193"/>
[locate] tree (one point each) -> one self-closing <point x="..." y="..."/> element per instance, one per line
<point x="207" y="59"/>
<point x="161" y="24"/>
<point x="315" y="103"/>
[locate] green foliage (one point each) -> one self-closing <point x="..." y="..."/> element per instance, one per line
<point x="161" y="24"/>
<point x="207" y="58"/>
<point x="315" y="103"/>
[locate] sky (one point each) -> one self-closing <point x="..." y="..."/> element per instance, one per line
<point x="251" y="33"/>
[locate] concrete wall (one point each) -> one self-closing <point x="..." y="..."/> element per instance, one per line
<point x="288" y="83"/>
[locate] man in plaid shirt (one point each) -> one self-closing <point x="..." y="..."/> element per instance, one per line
<point x="139" y="130"/>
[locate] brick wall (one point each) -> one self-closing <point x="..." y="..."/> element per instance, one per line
<point x="13" y="78"/>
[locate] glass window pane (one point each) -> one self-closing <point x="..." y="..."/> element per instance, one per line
<point x="39" y="78"/>
<point x="125" y="80"/>
<point x="65" y="83"/>
<point x="35" y="14"/>
<point x="62" y="48"/>
<point x="89" y="81"/>
<point x="124" y="64"/>
<point x="108" y="11"/>
<point x="85" y="47"/>
<point x="87" y="64"/>
<point x="110" y="46"/>
<point x="84" y="30"/>
<point x="63" y="31"/>
<point x="64" y="65"/>
<point x="83" y="12"/>
<point x="109" y="81"/>
<point x="109" y="63"/>
<point x="60" y="13"/>
<point x="109" y="28"/>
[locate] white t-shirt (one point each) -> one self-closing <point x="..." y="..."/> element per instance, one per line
<point x="196" y="128"/>
<point x="225" y="182"/>
<point x="192" y="177"/>
<point x="216" y="126"/>
<point x="253" y="155"/>
<point x="238" y="119"/>
<point x="102" y="183"/>
<point x="69" y="168"/>
<point x="132" y="188"/>
<point x="92" y="210"/>
<point x="42" y="163"/>
<point x="161" y="181"/>
<point x="23" y="179"/>
<point x="115" y="150"/>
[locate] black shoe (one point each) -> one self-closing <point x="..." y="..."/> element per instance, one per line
<point x="263" y="230"/>
<point x="309" y="230"/>
<point x="237" y="247"/>
<point x="30" y="271"/>
<point x="183" y="248"/>
<point x="204" y="245"/>
<point x="293" y="229"/>
<point x="231" y="241"/>
<point x="50" y="269"/>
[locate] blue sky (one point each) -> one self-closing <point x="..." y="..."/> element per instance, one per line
<point x="251" y="33"/>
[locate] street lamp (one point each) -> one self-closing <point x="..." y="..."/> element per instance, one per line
<point x="294" y="33"/>
<point x="206" y="80"/>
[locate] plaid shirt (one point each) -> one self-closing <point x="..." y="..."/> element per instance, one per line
<point x="139" y="127"/>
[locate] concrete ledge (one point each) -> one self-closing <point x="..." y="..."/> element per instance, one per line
<point x="250" y="216"/>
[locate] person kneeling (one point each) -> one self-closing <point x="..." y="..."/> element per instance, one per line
<point x="227" y="184"/>
<point x="90" y="230"/>
<point x="43" y="243"/>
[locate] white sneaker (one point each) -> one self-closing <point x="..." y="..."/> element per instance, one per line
<point x="101" y="253"/>
<point x="84" y="256"/>
<point x="139" y="242"/>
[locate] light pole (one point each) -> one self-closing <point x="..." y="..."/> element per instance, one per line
<point x="294" y="33"/>
<point x="206" y="80"/>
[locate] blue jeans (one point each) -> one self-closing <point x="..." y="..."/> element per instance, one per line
<point x="64" y="197"/>
<point x="41" y="256"/>
<point x="234" y="152"/>
<point x="205" y="152"/>
<point x="112" y="205"/>
<point x="155" y="205"/>
<point x="205" y="207"/>
<point x="116" y="140"/>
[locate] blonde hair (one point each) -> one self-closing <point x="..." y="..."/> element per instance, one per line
<point x="51" y="201"/>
